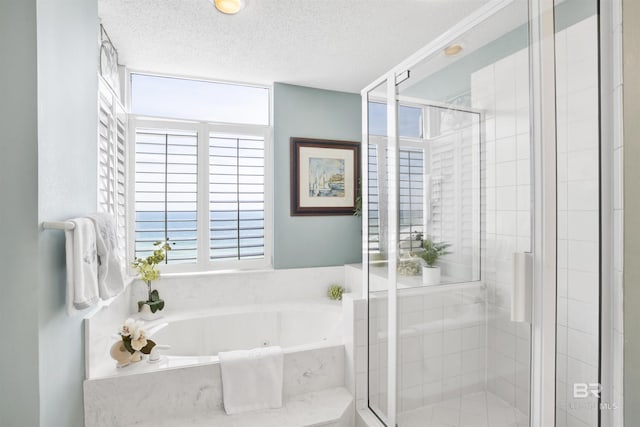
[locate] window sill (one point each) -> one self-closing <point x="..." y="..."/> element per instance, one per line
<point x="225" y="272"/>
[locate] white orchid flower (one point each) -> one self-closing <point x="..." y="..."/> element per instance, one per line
<point x="128" y="328"/>
<point x="138" y="339"/>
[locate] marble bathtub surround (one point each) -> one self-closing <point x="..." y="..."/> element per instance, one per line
<point x="185" y="392"/>
<point x="289" y="308"/>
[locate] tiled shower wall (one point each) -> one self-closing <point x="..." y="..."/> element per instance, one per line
<point x="441" y="345"/>
<point x="501" y="91"/>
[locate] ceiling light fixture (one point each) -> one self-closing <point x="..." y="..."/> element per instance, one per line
<point x="230" y="7"/>
<point x="452" y="50"/>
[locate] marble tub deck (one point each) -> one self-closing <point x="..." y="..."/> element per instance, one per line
<point x="196" y="391"/>
<point x="326" y="408"/>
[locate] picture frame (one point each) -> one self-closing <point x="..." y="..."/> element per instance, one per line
<point x="324" y="176"/>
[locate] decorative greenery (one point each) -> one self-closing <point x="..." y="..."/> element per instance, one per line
<point x="357" y="209"/>
<point x="147" y="272"/>
<point x="432" y="251"/>
<point x="134" y="339"/>
<point x="335" y="292"/>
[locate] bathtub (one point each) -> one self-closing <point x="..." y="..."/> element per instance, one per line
<point x="187" y="378"/>
<point x="290" y="326"/>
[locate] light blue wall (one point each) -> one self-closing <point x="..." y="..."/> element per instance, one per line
<point x="67" y="169"/>
<point x="47" y="172"/>
<point x="18" y="215"/>
<point x="317" y="240"/>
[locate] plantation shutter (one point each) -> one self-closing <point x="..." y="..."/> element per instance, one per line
<point x="411" y="197"/>
<point x="112" y="142"/>
<point x="166" y="191"/>
<point x="236" y="197"/>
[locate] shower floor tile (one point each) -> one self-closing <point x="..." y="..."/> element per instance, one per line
<point x="481" y="409"/>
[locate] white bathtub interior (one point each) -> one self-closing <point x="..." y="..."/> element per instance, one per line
<point x="244" y="328"/>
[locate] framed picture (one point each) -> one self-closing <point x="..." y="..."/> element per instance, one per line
<point x="324" y="176"/>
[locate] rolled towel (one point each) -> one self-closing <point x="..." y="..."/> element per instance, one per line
<point x="252" y="379"/>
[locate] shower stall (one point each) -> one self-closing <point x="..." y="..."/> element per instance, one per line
<point x="485" y="144"/>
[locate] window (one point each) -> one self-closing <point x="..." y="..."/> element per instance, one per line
<point x="204" y="186"/>
<point x="112" y="140"/>
<point x="438" y="182"/>
<point x="175" y="98"/>
<point x="166" y="188"/>
<point x="411" y="175"/>
<point x="236" y="197"/>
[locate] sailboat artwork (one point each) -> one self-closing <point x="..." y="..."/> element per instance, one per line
<point x="326" y="177"/>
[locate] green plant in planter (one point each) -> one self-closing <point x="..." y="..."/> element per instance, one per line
<point x="147" y="272"/>
<point x="335" y="292"/>
<point x="432" y="251"/>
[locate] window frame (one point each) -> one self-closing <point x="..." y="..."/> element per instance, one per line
<point x="204" y="129"/>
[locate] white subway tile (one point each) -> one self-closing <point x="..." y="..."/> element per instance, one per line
<point x="583" y="195"/>
<point x="583" y="165"/>
<point x="506" y="198"/>
<point x="583" y="225"/>
<point x="583" y="256"/>
<point x="583" y="286"/>
<point x="506" y="174"/>
<point x="506" y="149"/>
<point x="452" y="341"/>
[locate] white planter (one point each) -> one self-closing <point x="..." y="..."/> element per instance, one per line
<point x="430" y="276"/>
<point x="146" y="314"/>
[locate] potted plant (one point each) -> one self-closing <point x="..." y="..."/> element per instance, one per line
<point x="335" y="292"/>
<point x="147" y="272"/>
<point x="431" y="252"/>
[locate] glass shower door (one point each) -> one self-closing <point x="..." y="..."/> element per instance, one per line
<point x="464" y="350"/>
<point x="449" y="196"/>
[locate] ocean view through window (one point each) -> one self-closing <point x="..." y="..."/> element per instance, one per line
<point x="201" y="185"/>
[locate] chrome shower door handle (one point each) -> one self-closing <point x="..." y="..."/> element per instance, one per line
<point x="522" y="287"/>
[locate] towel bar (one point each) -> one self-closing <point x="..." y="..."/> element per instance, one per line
<point x="58" y="225"/>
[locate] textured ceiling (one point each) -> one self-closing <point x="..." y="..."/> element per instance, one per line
<point x="330" y="44"/>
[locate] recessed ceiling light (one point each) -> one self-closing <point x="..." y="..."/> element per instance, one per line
<point x="230" y="7"/>
<point x="452" y="50"/>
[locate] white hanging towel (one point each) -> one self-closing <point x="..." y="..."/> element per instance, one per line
<point x="110" y="267"/>
<point x="82" y="266"/>
<point x="251" y="379"/>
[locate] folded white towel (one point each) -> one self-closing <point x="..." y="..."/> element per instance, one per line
<point x="110" y="270"/>
<point x="82" y="266"/>
<point x="251" y="379"/>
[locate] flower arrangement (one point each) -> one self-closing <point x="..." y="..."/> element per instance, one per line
<point x="335" y="292"/>
<point x="409" y="267"/>
<point x="147" y="272"/>
<point x="134" y="340"/>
